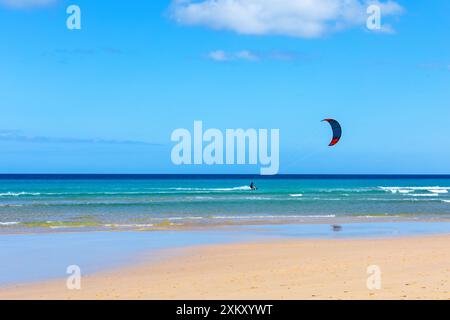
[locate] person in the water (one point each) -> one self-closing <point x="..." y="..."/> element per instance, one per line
<point x="252" y="186"/>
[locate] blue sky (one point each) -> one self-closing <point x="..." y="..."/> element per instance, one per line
<point x="106" y="98"/>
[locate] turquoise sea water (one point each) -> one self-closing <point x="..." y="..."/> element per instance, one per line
<point x="129" y="202"/>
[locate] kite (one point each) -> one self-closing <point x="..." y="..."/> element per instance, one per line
<point x="337" y="131"/>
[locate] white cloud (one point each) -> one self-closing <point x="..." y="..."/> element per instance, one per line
<point x="218" y="55"/>
<point x="387" y="28"/>
<point x="221" y="56"/>
<point x="26" y="3"/>
<point x="297" y="18"/>
<point x="246" y="55"/>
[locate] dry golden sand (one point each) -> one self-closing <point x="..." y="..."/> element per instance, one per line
<point x="412" y="268"/>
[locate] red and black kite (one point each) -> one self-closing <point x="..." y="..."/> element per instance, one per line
<point x="337" y="131"/>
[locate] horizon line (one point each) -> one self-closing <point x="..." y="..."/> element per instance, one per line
<point x="223" y="175"/>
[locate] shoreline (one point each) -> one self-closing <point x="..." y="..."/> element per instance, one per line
<point x="34" y="257"/>
<point x="413" y="267"/>
<point x="244" y="222"/>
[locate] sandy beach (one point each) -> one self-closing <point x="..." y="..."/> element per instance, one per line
<point x="411" y="268"/>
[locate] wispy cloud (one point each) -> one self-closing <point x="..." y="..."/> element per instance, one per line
<point x="435" y="65"/>
<point x="247" y="55"/>
<point x="64" y="55"/>
<point x="297" y="18"/>
<point x="218" y="55"/>
<point x="85" y="51"/>
<point x="386" y="28"/>
<point x="77" y="52"/>
<point x="23" y="4"/>
<point x="287" y="56"/>
<point x="221" y="56"/>
<point x="16" y="135"/>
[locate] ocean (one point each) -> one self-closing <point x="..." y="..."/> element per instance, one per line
<point x="146" y="202"/>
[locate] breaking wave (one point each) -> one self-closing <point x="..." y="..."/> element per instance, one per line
<point x="10" y="223"/>
<point x="18" y="194"/>
<point x="241" y="188"/>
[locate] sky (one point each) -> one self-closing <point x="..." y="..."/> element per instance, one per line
<point x="106" y="98"/>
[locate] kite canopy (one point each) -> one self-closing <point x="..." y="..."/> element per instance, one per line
<point x="337" y="131"/>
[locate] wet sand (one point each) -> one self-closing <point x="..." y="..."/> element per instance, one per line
<point x="411" y="268"/>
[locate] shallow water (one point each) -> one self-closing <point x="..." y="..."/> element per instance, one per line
<point x="33" y="257"/>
